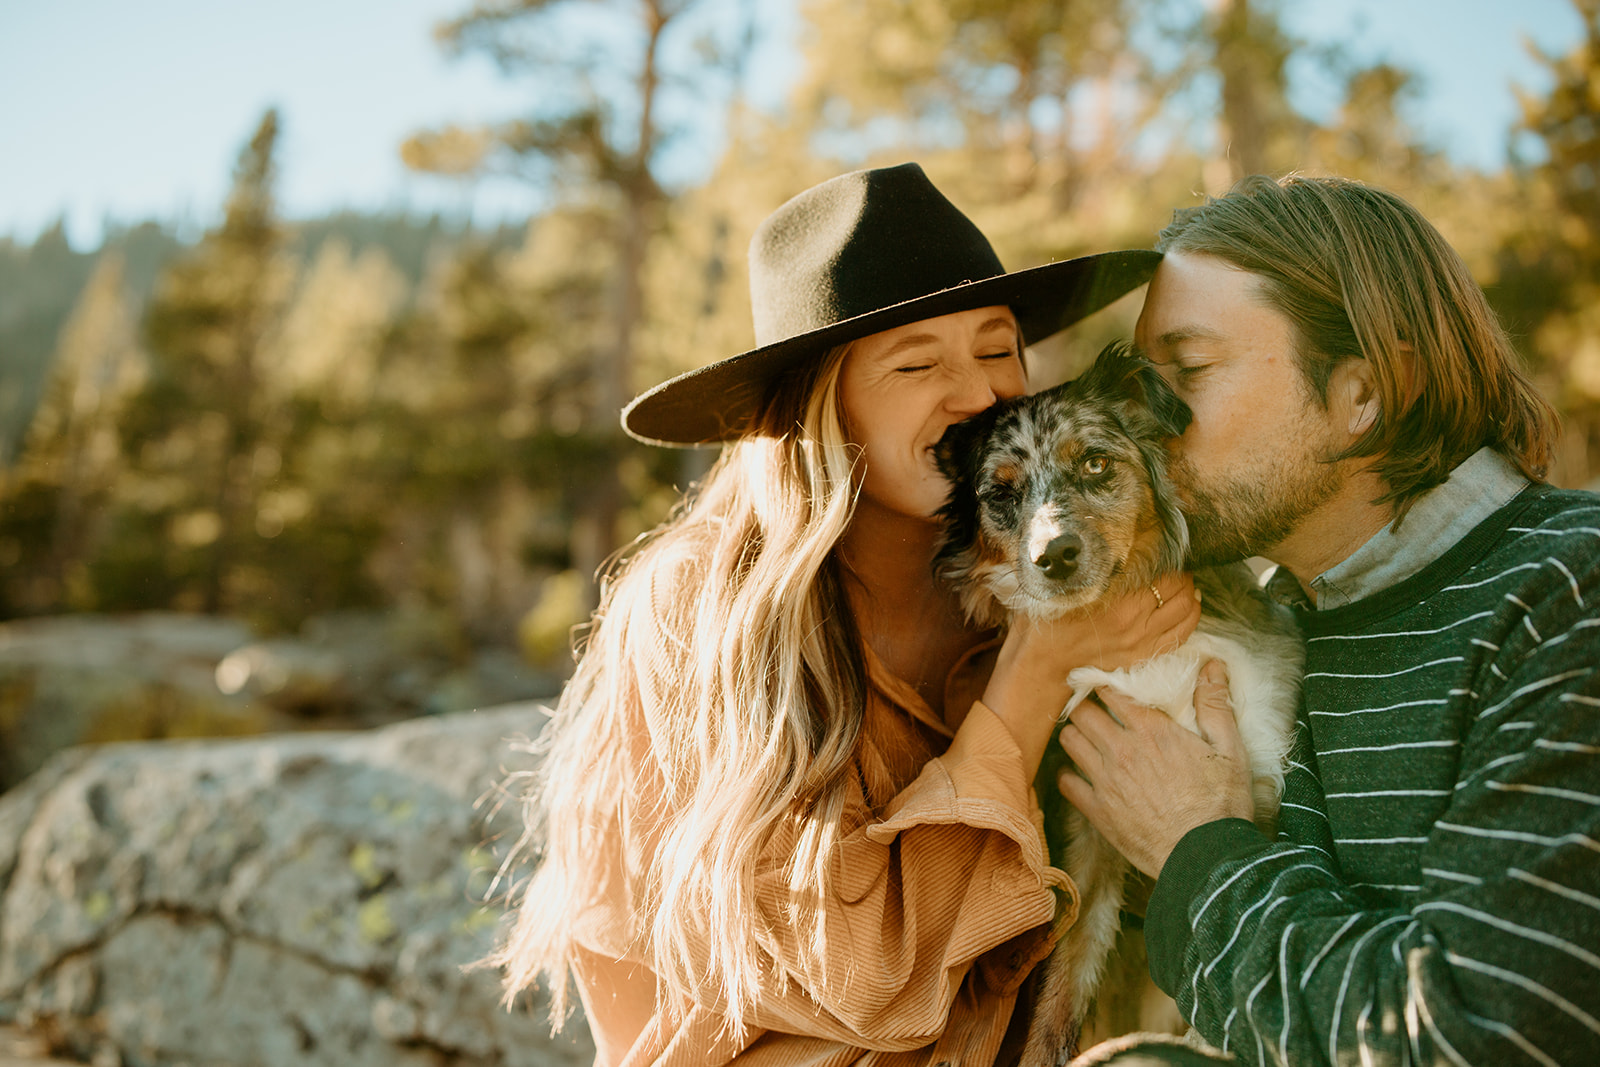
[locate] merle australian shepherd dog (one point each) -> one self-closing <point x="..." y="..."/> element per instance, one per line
<point x="1059" y="500"/>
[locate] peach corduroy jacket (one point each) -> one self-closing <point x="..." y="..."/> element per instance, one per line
<point x="942" y="905"/>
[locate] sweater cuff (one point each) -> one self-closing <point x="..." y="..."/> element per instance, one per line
<point x="979" y="781"/>
<point x="1197" y="856"/>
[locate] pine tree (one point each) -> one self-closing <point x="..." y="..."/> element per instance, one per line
<point x="593" y="142"/>
<point x="53" y="501"/>
<point x="1550" y="265"/>
<point x="203" y="424"/>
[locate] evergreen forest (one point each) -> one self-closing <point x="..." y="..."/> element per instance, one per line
<point x="277" y="419"/>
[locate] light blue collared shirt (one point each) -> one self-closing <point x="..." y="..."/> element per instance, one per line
<point x="1481" y="485"/>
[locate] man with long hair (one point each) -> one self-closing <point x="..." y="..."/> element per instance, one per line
<point x="1360" y="419"/>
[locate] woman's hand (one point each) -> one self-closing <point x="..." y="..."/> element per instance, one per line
<point x="1029" y="686"/>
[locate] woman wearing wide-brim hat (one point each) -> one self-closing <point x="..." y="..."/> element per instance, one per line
<point x="786" y="816"/>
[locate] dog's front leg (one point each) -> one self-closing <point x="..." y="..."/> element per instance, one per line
<point x="1073" y="970"/>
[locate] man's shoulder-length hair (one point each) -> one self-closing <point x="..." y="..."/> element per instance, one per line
<point x="1362" y="275"/>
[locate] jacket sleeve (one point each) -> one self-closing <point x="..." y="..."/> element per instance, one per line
<point x="952" y="875"/>
<point x="1496" y="959"/>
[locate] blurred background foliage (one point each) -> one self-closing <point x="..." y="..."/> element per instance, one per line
<point x="281" y="420"/>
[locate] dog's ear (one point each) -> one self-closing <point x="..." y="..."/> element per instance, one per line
<point x="1149" y="412"/>
<point x="959" y="455"/>
<point x="959" y="452"/>
<point x="1124" y="374"/>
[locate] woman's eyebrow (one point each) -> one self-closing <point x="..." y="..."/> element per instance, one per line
<point x="918" y="339"/>
<point x="913" y="341"/>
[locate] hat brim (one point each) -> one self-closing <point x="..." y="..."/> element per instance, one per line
<point x="715" y="403"/>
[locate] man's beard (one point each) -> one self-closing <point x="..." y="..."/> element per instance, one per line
<point x="1237" y="519"/>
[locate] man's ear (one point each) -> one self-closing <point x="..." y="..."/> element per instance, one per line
<point x="1353" y="396"/>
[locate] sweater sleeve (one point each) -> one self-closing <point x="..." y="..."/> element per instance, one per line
<point x="1494" y="958"/>
<point x="953" y="874"/>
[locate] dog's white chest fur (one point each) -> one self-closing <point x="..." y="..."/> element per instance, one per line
<point x="1263" y="682"/>
<point x="1264" y="662"/>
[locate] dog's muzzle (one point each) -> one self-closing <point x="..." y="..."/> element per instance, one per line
<point x="1058" y="560"/>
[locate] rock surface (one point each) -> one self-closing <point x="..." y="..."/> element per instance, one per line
<point x="297" y="899"/>
<point x="75" y="679"/>
<point x="93" y="678"/>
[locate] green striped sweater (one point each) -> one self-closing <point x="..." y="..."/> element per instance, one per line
<point x="1434" y="892"/>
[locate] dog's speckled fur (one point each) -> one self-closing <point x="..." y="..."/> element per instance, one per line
<point x="1059" y="500"/>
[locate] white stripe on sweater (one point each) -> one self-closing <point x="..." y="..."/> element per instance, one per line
<point x="1318" y="958"/>
<point x="1576" y="595"/>
<point x="1533" y="1051"/>
<point x="1567" y="746"/>
<point x="1582" y="840"/>
<point x="1554" y="533"/>
<point x="1397" y="746"/>
<point x="1390" y="674"/>
<point x="1285" y="985"/>
<point x="1495" y="578"/>
<point x="1244" y="919"/>
<point x="1240" y="873"/>
<point x="1402" y="633"/>
<point x="1344" y="986"/>
<point x="1533" y="687"/>
<point x="1555" y="887"/>
<point x="1544" y="791"/>
<point x="1369" y="711"/>
<point x="1542" y="992"/>
<point x="1561" y="944"/>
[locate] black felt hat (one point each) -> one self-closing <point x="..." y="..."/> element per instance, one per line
<point x="860" y="253"/>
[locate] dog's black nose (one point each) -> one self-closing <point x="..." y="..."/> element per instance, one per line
<point x="1060" y="557"/>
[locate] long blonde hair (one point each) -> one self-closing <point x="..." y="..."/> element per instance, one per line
<point x="726" y="632"/>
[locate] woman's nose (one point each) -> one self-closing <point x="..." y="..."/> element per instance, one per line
<point x="972" y="392"/>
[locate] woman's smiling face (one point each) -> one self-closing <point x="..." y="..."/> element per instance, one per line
<point x="902" y="388"/>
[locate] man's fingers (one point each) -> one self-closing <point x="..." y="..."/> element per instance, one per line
<point x="1078" y="744"/>
<point x="1213" y="709"/>
<point x="1078" y="790"/>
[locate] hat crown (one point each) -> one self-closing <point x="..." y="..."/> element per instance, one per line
<point x="857" y="244"/>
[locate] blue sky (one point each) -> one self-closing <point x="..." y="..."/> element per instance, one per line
<point x="126" y="111"/>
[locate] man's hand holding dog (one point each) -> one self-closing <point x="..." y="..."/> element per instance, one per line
<point x="1144" y="781"/>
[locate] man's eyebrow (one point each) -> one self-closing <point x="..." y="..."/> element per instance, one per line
<point x="1186" y="333"/>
